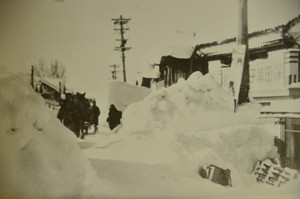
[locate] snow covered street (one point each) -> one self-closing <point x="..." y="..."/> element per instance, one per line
<point x="143" y="99"/>
<point x="155" y="153"/>
<point x="140" y="180"/>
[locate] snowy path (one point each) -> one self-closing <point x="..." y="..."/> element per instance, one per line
<point x="145" y="158"/>
<point x="137" y="180"/>
<point x="159" y="181"/>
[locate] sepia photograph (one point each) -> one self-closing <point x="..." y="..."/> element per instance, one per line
<point x="149" y="99"/>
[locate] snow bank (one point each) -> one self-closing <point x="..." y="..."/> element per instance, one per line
<point x="122" y="94"/>
<point x="39" y="156"/>
<point x="192" y="124"/>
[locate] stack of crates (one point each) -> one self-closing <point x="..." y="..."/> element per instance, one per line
<point x="272" y="173"/>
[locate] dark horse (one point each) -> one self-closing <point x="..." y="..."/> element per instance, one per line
<point x="75" y="113"/>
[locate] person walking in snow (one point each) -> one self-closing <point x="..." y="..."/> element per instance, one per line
<point x="95" y="115"/>
<point x="114" y="117"/>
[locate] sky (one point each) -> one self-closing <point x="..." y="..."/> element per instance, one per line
<point x="79" y="33"/>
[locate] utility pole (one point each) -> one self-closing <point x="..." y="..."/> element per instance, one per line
<point x="32" y="76"/>
<point x="114" y="71"/>
<point x="122" y="21"/>
<point x="242" y="39"/>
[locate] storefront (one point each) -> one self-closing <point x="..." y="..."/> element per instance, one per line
<point x="291" y="136"/>
<point x="288" y="117"/>
<point x="274" y="55"/>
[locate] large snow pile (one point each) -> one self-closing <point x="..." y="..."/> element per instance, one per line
<point x="122" y="94"/>
<point x="192" y="124"/>
<point x="40" y="158"/>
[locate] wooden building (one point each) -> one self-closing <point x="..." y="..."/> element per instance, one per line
<point x="51" y="90"/>
<point x="180" y="63"/>
<point x="274" y="62"/>
<point x="288" y="115"/>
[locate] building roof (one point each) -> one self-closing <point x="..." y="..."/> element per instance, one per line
<point x="53" y="83"/>
<point x="268" y="38"/>
<point x="283" y="108"/>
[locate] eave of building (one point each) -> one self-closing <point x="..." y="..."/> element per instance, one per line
<point x="279" y="115"/>
<point x="256" y="45"/>
<point x="259" y="41"/>
<point x="52" y="83"/>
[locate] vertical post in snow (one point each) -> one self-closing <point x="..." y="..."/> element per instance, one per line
<point x="242" y="39"/>
<point x="60" y="87"/>
<point x="32" y="76"/>
<point x="60" y="90"/>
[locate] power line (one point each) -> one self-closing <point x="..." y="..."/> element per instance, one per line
<point x="121" y="22"/>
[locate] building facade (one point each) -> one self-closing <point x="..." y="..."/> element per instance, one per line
<point x="287" y="113"/>
<point x="274" y="56"/>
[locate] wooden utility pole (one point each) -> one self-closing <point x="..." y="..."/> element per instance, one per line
<point x="32" y="76"/>
<point x="242" y="39"/>
<point x="114" y="71"/>
<point x="122" y="21"/>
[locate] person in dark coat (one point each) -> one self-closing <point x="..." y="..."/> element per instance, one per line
<point x="64" y="113"/>
<point x="114" y="117"/>
<point x="76" y="115"/>
<point x="95" y="115"/>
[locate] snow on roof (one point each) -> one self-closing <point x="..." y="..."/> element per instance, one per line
<point x="254" y="43"/>
<point x="263" y="40"/>
<point x="151" y="72"/>
<point x="53" y="83"/>
<point x="280" y="115"/>
<point x="283" y="107"/>
<point x="295" y="85"/>
<point x="258" y="39"/>
<point x="179" y="51"/>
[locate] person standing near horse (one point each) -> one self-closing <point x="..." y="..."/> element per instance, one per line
<point x="64" y="113"/>
<point x="95" y="115"/>
<point x="77" y="115"/>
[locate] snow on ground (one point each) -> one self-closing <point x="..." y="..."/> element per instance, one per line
<point x="183" y="127"/>
<point x="40" y="158"/>
<point x="156" y="152"/>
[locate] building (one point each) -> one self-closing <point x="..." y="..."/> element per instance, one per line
<point x="51" y="90"/>
<point x="274" y="69"/>
<point x="288" y="117"/>
<point x="179" y="62"/>
<point x="274" y="62"/>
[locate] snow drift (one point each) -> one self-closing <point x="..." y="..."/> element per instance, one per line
<point x="39" y="156"/>
<point x="192" y="124"/>
<point x="122" y="94"/>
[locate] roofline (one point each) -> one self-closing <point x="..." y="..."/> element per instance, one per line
<point x="271" y="47"/>
<point x="281" y="28"/>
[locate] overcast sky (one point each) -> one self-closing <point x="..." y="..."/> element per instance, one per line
<point x="79" y="33"/>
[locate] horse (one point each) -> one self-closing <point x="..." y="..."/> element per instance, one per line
<point x="83" y="112"/>
<point x="75" y="113"/>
